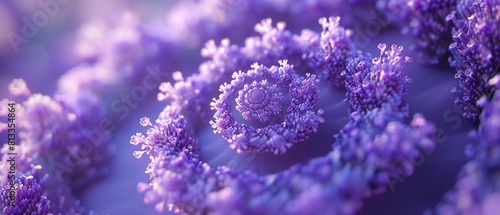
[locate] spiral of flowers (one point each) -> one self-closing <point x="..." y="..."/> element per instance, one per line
<point x="372" y="148"/>
<point x="301" y="116"/>
<point x="259" y="101"/>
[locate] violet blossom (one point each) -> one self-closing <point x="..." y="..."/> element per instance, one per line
<point x="37" y="193"/>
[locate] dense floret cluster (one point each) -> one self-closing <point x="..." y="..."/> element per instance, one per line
<point x="300" y="119"/>
<point x="375" y="84"/>
<point x="35" y="192"/>
<point x="476" y="53"/>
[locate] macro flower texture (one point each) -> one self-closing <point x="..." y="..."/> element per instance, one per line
<point x="231" y="107"/>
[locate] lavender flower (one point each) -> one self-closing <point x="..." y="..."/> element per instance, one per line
<point x="374" y="147"/>
<point x="35" y="192"/>
<point x="254" y="105"/>
<point x="24" y="196"/>
<point x="302" y="116"/>
<point x="475" y="57"/>
<point x="475" y="53"/>
<point x="372" y="85"/>
<point x="183" y="183"/>
<point x="334" y="50"/>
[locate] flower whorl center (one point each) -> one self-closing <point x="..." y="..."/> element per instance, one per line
<point x="258" y="95"/>
<point x="259" y="101"/>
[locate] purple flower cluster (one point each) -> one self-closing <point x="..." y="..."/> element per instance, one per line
<point x="29" y="198"/>
<point x="367" y="154"/>
<point x="35" y="192"/>
<point x="476" y="53"/>
<point x="57" y="126"/>
<point x="468" y="29"/>
<point x="56" y="133"/>
<point x="64" y="141"/>
<point x="332" y="49"/>
<point x="302" y="116"/>
<point x="373" y="85"/>
<point x="68" y="134"/>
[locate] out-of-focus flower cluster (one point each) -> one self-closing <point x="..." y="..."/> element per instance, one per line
<point x="465" y="30"/>
<point x="64" y="142"/>
<point x="371" y="150"/>
<point x="57" y="140"/>
<point x="475" y="56"/>
<point x="477" y="189"/>
<point x="217" y="19"/>
<point x="426" y="21"/>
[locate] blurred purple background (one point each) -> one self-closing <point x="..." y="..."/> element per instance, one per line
<point x="55" y="48"/>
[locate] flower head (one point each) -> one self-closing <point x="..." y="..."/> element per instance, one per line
<point x="35" y="191"/>
<point x="476" y="53"/>
<point x="378" y="82"/>
<point x="301" y="118"/>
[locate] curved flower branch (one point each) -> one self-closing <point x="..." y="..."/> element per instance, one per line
<point x="374" y="147"/>
<point x="477" y="189"/>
